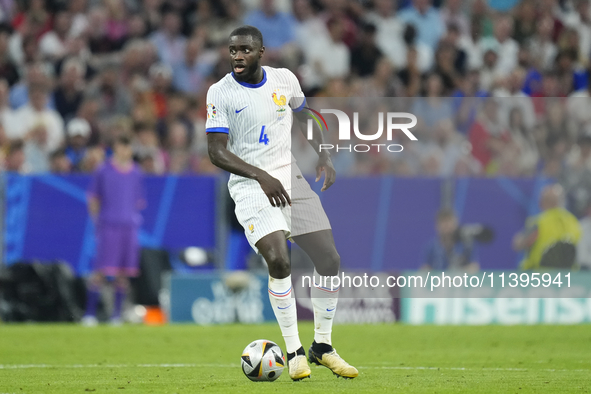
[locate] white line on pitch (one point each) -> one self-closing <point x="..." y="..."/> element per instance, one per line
<point x="33" y="366"/>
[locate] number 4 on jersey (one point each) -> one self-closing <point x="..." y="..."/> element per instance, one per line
<point x="263" y="139"/>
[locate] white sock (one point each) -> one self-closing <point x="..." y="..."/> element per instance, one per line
<point x="284" y="307"/>
<point x="324" y="300"/>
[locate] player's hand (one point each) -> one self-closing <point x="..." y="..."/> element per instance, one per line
<point x="325" y="164"/>
<point x="274" y="190"/>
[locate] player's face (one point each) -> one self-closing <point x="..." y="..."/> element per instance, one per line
<point x="123" y="152"/>
<point x="245" y="54"/>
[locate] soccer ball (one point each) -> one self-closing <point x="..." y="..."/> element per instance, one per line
<point x="262" y="360"/>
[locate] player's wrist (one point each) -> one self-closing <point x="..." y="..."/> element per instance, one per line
<point x="324" y="156"/>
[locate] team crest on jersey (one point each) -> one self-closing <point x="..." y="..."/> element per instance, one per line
<point x="211" y="111"/>
<point x="280" y="100"/>
<point x="251" y="228"/>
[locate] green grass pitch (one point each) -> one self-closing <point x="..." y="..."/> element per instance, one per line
<point x="390" y="358"/>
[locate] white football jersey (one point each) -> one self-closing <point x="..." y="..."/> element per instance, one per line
<point x="258" y="119"/>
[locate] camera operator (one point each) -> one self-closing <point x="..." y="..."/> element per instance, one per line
<point x="453" y="247"/>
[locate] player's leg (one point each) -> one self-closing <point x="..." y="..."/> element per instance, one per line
<point x="94" y="284"/>
<point x="121" y="284"/>
<point x="321" y="249"/>
<point x="273" y="248"/>
<point x="128" y="258"/>
<point x="103" y="266"/>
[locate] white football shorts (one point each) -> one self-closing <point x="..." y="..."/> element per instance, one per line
<point x="259" y="218"/>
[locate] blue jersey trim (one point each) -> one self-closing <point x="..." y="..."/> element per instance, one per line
<point x="252" y="85"/>
<point x="217" y="130"/>
<point x="301" y="107"/>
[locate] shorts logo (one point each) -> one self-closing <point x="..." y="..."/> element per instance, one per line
<point x="211" y="111"/>
<point x="251" y="228"/>
<point x="281" y="101"/>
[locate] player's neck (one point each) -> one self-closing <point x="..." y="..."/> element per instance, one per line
<point x="122" y="165"/>
<point x="257" y="77"/>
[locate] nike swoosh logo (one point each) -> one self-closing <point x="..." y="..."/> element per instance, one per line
<point x="284" y="308"/>
<point x="330" y="310"/>
<point x="240" y="110"/>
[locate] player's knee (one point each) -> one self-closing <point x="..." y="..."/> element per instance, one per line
<point x="330" y="264"/>
<point x="96" y="280"/>
<point x="121" y="282"/>
<point x="279" y="267"/>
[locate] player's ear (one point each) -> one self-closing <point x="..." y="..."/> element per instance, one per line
<point x="261" y="51"/>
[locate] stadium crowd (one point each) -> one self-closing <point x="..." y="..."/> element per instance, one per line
<point x="501" y="87"/>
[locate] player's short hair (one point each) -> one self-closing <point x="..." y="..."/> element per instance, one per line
<point x="123" y="139"/>
<point x="247" y="30"/>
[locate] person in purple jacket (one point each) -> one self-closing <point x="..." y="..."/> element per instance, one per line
<point x="115" y="200"/>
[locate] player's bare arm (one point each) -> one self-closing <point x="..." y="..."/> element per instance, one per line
<point x="324" y="161"/>
<point x="221" y="157"/>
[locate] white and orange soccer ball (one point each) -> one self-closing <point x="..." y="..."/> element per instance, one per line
<point x="263" y="360"/>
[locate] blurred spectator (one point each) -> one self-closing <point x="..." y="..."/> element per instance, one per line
<point x="503" y="45"/>
<point x="8" y="70"/>
<point x="527" y="157"/>
<point x="389" y="37"/>
<point x="328" y="59"/>
<point x="60" y="163"/>
<point x="513" y="97"/>
<point x="447" y="251"/>
<point x="69" y="93"/>
<point x="95" y="156"/>
<point x="97" y="31"/>
<point x="161" y="78"/>
<point x="526" y="19"/>
<point x="147" y="149"/>
<point x="189" y="74"/>
<point x="168" y="40"/>
<point x="365" y="55"/>
<point x="487" y="136"/>
<point x="454" y="13"/>
<point x="542" y="48"/>
<point x="78" y="134"/>
<point x="34" y="120"/>
<point x="6" y="113"/>
<point x="410" y="76"/>
<point x="116" y="23"/>
<point x="278" y="30"/>
<point x="78" y="11"/>
<point x="277" y="27"/>
<point x="578" y="107"/>
<point x="7" y="10"/>
<point x="452" y="146"/>
<point x="15" y="157"/>
<point x="113" y="97"/>
<point x="178" y="155"/>
<point x="426" y="19"/>
<point x="583" y="27"/>
<point x="35" y="74"/>
<point x="136" y="27"/>
<point x="383" y="82"/>
<point x="433" y="107"/>
<point x="309" y="26"/>
<point x="34" y="12"/>
<point x="55" y="44"/>
<point x="219" y="29"/>
<point x="150" y="12"/>
<point x="550" y="238"/>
